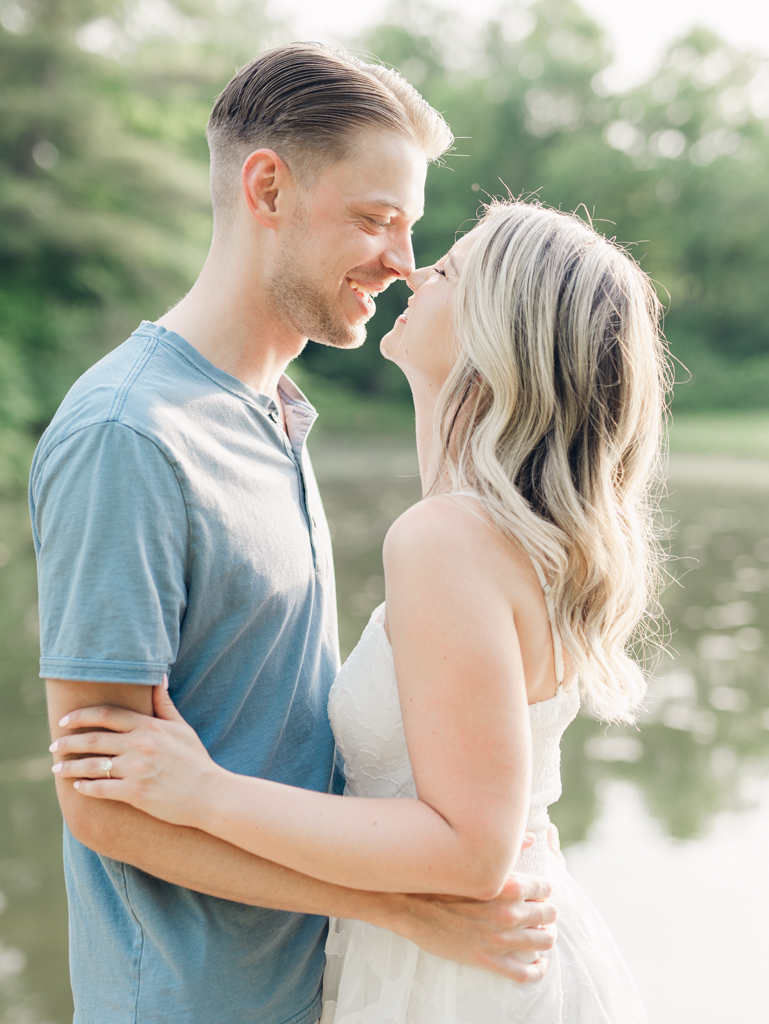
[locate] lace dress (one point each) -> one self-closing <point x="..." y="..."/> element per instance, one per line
<point x="374" y="976"/>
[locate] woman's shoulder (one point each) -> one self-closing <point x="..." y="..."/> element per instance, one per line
<point x="455" y="532"/>
<point x="437" y="520"/>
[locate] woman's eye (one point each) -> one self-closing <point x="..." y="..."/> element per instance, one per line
<point x="441" y="272"/>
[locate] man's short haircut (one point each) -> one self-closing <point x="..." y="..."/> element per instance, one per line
<point x="311" y="104"/>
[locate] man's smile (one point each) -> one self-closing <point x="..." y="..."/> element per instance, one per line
<point x="364" y="292"/>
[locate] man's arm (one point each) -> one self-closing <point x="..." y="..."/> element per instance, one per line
<point x="183" y="856"/>
<point x="482" y="934"/>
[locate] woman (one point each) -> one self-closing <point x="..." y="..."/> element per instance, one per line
<point x="538" y="376"/>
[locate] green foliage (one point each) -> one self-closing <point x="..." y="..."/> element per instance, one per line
<point x="104" y="213"/>
<point x="677" y="166"/>
<point x="103" y="187"/>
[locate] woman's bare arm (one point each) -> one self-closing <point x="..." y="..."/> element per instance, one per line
<point x="484" y="934"/>
<point x="463" y="697"/>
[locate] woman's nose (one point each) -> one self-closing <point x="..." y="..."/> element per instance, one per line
<point x="417" y="278"/>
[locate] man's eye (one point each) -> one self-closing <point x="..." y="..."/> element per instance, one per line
<point x="379" y="223"/>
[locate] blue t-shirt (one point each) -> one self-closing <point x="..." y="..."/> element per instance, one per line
<point x="179" y="529"/>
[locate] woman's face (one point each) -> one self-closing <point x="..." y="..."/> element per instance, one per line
<point x="422" y="342"/>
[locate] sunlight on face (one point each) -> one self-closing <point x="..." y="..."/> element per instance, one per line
<point x="422" y="341"/>
<point x="350" y="239"/>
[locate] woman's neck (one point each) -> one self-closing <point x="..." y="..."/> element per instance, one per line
<point x="425" y="397"/>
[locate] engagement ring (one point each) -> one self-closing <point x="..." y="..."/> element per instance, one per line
<point x="107" y="767"/>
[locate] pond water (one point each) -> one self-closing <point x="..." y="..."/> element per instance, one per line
<point x="666" y="825"/>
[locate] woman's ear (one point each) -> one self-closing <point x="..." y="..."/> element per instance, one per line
<point x="264" y="176"/>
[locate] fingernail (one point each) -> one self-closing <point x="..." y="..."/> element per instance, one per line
<point x="165" y="681"/>
<point x="57" y="768"/>
<point x="54" y="746"/>
<point x="64" y="721"/>
<point x="77" y="784"/>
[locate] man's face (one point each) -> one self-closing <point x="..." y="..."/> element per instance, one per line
<point x="349" y="238"/>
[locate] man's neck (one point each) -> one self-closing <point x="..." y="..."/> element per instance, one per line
<point x="228" y="318"/>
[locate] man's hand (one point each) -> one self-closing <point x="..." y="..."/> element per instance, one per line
<point x="496" y="935"/>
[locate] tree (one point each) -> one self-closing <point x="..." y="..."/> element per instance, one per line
<point x="676" y="168"/>
<point x="104" y="208"/>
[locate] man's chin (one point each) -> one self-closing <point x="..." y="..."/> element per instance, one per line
<point x="353" y="337"/>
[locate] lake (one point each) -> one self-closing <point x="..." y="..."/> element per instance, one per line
<point x="666" y="825"/>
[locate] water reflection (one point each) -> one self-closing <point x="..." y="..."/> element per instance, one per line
<point x="704" y="739"/>
<point x="701" y="747"/>
<point x="34" y="987"/>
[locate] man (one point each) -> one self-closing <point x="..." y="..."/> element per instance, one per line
<point x="179" y="531"/>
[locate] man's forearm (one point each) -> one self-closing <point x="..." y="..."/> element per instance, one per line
<point x="184" y="856"/>
<point x="485" y="935"/>
<point x="482" y="934"/>
<point x="198" y="861"/>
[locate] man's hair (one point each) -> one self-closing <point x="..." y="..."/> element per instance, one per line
<point x="311" y="104"/>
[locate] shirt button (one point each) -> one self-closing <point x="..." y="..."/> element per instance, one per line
<point x="274" y="415"/>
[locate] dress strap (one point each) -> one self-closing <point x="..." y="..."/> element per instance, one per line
<point x="557" y="642"/>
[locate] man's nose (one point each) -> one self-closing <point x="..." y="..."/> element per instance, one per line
<point x="399" y="255"/>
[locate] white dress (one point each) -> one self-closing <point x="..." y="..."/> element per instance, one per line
<point x="374" y="976"/>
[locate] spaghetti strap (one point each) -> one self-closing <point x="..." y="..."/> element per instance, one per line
<point x="557" y="643"/>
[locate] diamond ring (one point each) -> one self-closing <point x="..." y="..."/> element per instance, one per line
<point x="107" y="767"/>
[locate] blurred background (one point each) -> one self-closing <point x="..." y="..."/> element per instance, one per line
<point x="657" y="119"/>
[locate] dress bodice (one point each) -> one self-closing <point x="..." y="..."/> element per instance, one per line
<point x="365" y="715"/>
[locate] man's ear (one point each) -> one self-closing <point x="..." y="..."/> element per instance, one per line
<point x="264" y="176"/>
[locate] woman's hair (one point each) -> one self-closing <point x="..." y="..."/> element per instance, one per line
<point x="554" y="415"/>
<point x="311" y="104"/>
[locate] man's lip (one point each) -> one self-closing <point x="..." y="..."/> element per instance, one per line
<point x="374" y="289"/>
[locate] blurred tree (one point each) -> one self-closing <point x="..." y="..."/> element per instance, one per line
<point x="680" y="161"/>
<point x="518" y="97"/>
<point x="104" y="214"/>
<point x="692" y="157"/>
<point x="104" y="208"/>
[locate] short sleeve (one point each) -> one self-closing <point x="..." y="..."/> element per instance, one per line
<point x="111" y="535"/>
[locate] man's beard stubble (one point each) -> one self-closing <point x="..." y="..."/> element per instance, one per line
<point x="309" y="311"/>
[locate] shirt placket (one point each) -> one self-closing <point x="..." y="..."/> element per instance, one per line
<point x="295" y="451"/>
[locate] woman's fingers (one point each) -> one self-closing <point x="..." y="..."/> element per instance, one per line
<point x="88" y="768"/>
<point x="103" y="789"/>
<point x="89" y="743"/>
<point x="104" y="717"/>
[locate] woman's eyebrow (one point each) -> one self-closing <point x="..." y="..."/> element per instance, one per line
<point x="454" y="266"/>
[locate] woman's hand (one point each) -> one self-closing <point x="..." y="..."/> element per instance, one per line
<point x="156" y="764"/>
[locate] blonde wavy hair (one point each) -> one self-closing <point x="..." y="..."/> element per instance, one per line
<point x="554" y="415"/>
